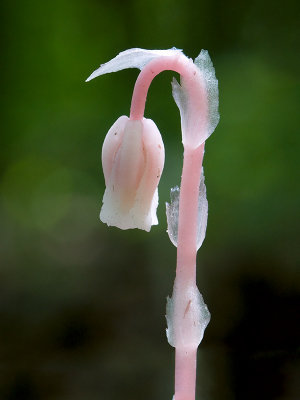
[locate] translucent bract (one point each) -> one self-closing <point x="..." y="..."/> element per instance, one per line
<point x="172" y="210"/>
<point x="187" y="311"/>
<point x="198" y="101"/>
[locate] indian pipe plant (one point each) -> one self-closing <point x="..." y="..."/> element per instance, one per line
<point x="133" y="160"/>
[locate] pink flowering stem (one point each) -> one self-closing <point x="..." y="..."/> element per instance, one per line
<point x="185" y="357"/>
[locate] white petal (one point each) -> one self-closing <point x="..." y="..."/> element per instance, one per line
<point x="111" y="144"/>
<point x="132" y="58"/>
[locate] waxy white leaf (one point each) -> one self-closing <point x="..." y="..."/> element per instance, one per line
<point x="172" y="210"/>
<point x="196" y="121"/>
<point x="187" y="317"/>
<point x="204" y="63"/>
<point x="132" y="58"/>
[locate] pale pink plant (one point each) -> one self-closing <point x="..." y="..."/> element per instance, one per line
<point x="133" y="160"/>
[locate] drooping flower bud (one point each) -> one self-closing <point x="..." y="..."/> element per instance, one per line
<point x="132" y="159"/>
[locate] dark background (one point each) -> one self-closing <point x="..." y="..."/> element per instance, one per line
<point x="82" y="305"/>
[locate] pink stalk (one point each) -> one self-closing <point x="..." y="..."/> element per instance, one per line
<point x="185" y="356"/>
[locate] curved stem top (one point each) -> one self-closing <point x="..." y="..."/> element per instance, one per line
<point x="196" y="97"/>
<point x="191" y="97"/>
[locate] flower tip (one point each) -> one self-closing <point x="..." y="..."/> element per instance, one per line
<point x="95" y="73"/>
<point x="90" y="77"/>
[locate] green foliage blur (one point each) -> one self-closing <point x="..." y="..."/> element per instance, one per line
<point x="82" y="305"/>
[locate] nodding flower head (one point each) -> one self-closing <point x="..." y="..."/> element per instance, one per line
<point x="133" y="151"/>
<point x="132" y="159"/>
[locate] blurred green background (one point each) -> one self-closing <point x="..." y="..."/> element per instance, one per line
<point x="82" y="305"/>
